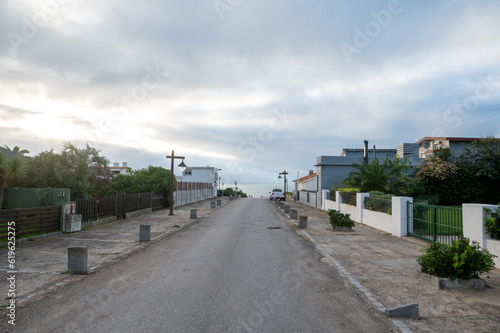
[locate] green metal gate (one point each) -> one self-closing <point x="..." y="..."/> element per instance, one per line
<point x="434" y="223"/>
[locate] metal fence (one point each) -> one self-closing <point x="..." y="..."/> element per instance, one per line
<point x="118" y="205"/>
<point x="434" y="223"/>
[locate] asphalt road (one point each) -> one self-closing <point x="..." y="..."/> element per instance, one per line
<point x="240" y="269"/>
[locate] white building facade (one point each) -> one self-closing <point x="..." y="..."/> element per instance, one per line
<point x="201" y="175"/>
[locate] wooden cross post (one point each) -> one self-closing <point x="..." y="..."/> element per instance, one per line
<point x="284" y="173"/>
<point x="172" y="158"/>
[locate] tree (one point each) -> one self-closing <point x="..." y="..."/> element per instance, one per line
<point x="473" y="176"/>
<point x="17" y="151"/>
<point x="10" y="169"/>
<point x="92" y="170"/>
<point x="145" y="180"/>
<point x="390" y="176"/>
<point x="83" y="170"/>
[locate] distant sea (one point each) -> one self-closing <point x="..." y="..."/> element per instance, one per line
<point x="260" y="190"/>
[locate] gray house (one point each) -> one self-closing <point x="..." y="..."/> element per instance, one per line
<point x="333" y="170"/>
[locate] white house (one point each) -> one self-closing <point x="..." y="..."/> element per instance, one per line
<point x="201" y="174"/>
<point x="116" y="169"/>
<point x="428" y="145"/>
<point x="308" y="183"/>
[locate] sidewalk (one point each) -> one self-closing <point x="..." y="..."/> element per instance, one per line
<point x="41" y="264"/>
<point x="384" y="269"/>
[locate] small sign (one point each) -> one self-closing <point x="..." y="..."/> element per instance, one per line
<point x="60" y="194"/>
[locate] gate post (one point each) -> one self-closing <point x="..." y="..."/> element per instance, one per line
<point x="400" y="215"/>
<point x="434" y="224"/>
<point x="360" y="205"/>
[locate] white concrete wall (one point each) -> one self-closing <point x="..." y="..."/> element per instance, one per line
<point x="329" y="204"/>
<point x="348" y="209"/>
<point x="377" y="220"/>
<point x="473" y="223"/>
<point x="310" y="184"/>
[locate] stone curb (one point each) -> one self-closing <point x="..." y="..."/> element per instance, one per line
<point x="445" y="283"/>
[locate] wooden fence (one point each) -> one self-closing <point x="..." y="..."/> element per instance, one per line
<point x="29" y="221"/>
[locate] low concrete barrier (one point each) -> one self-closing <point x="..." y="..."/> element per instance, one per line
<point x="286" y="209"/>
<point x="194" y="213"/>
<point x="77" y="259"/>
<point x="293" y="214"/>
<point x="303" y="222"/>
<point x="145" y="233"/>
<point x="212" y="204"/>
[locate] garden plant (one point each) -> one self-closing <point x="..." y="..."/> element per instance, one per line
<point x="461" y="259"/>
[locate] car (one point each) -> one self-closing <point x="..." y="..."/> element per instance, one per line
<point x="276" y="194"/>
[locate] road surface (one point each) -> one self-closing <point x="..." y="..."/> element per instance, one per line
<point x="240" y="269"/>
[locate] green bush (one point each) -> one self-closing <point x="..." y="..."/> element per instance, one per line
<point x="492" y="223"/>
<point x="349" y="195"/>
<point x="338" y="219"/>
<point x="379" y="202"/>
<point x="460" y="259"/>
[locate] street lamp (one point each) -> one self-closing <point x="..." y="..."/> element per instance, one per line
<point x="284" y="173"/>
<point x="182" y="167"/>
<point x="218" y="184"/>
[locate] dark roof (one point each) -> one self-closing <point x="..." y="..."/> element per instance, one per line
<point x="370" y="149"/>
<point x="7" y="153"/>
<point x="449" y="139"/>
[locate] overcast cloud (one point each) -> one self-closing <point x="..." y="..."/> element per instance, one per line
<point x="251" y="87"/>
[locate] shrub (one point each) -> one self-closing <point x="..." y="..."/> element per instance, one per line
<point x="339" y="219"/>
<point x="379" y="202"/>
<point x="492" y="223"/>
<point x="349" y="195"/>
<point x="457" y="260"/>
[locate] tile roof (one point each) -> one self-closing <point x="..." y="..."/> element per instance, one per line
<point x="306" y="177"/>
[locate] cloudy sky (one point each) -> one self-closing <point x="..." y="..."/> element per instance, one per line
<point x="253" y="87"/>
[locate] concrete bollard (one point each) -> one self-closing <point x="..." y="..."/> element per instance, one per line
<point x="286" y="209"/>
<point x="193" y="213"/>
<point x="145" y="233"/>
<point x="212" y="204"/>
<point x="219" y="202"/>
<point x="77" y="259"/>
<point x="293" y="214"/>
<point x="230" y="198"/>
<point x="282" y="205"/>
<point x="303" y="222"/>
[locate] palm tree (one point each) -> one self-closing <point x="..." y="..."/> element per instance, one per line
<point x="17" y="151"/>
<point x="386" y="176"/>
<point x="89" y="161"/>
<point x="12" y="168"/>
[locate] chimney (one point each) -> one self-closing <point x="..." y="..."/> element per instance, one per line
<point x="125" y="165"/>
<point x="365" y="156"/>
<point x="311" y="172"/>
